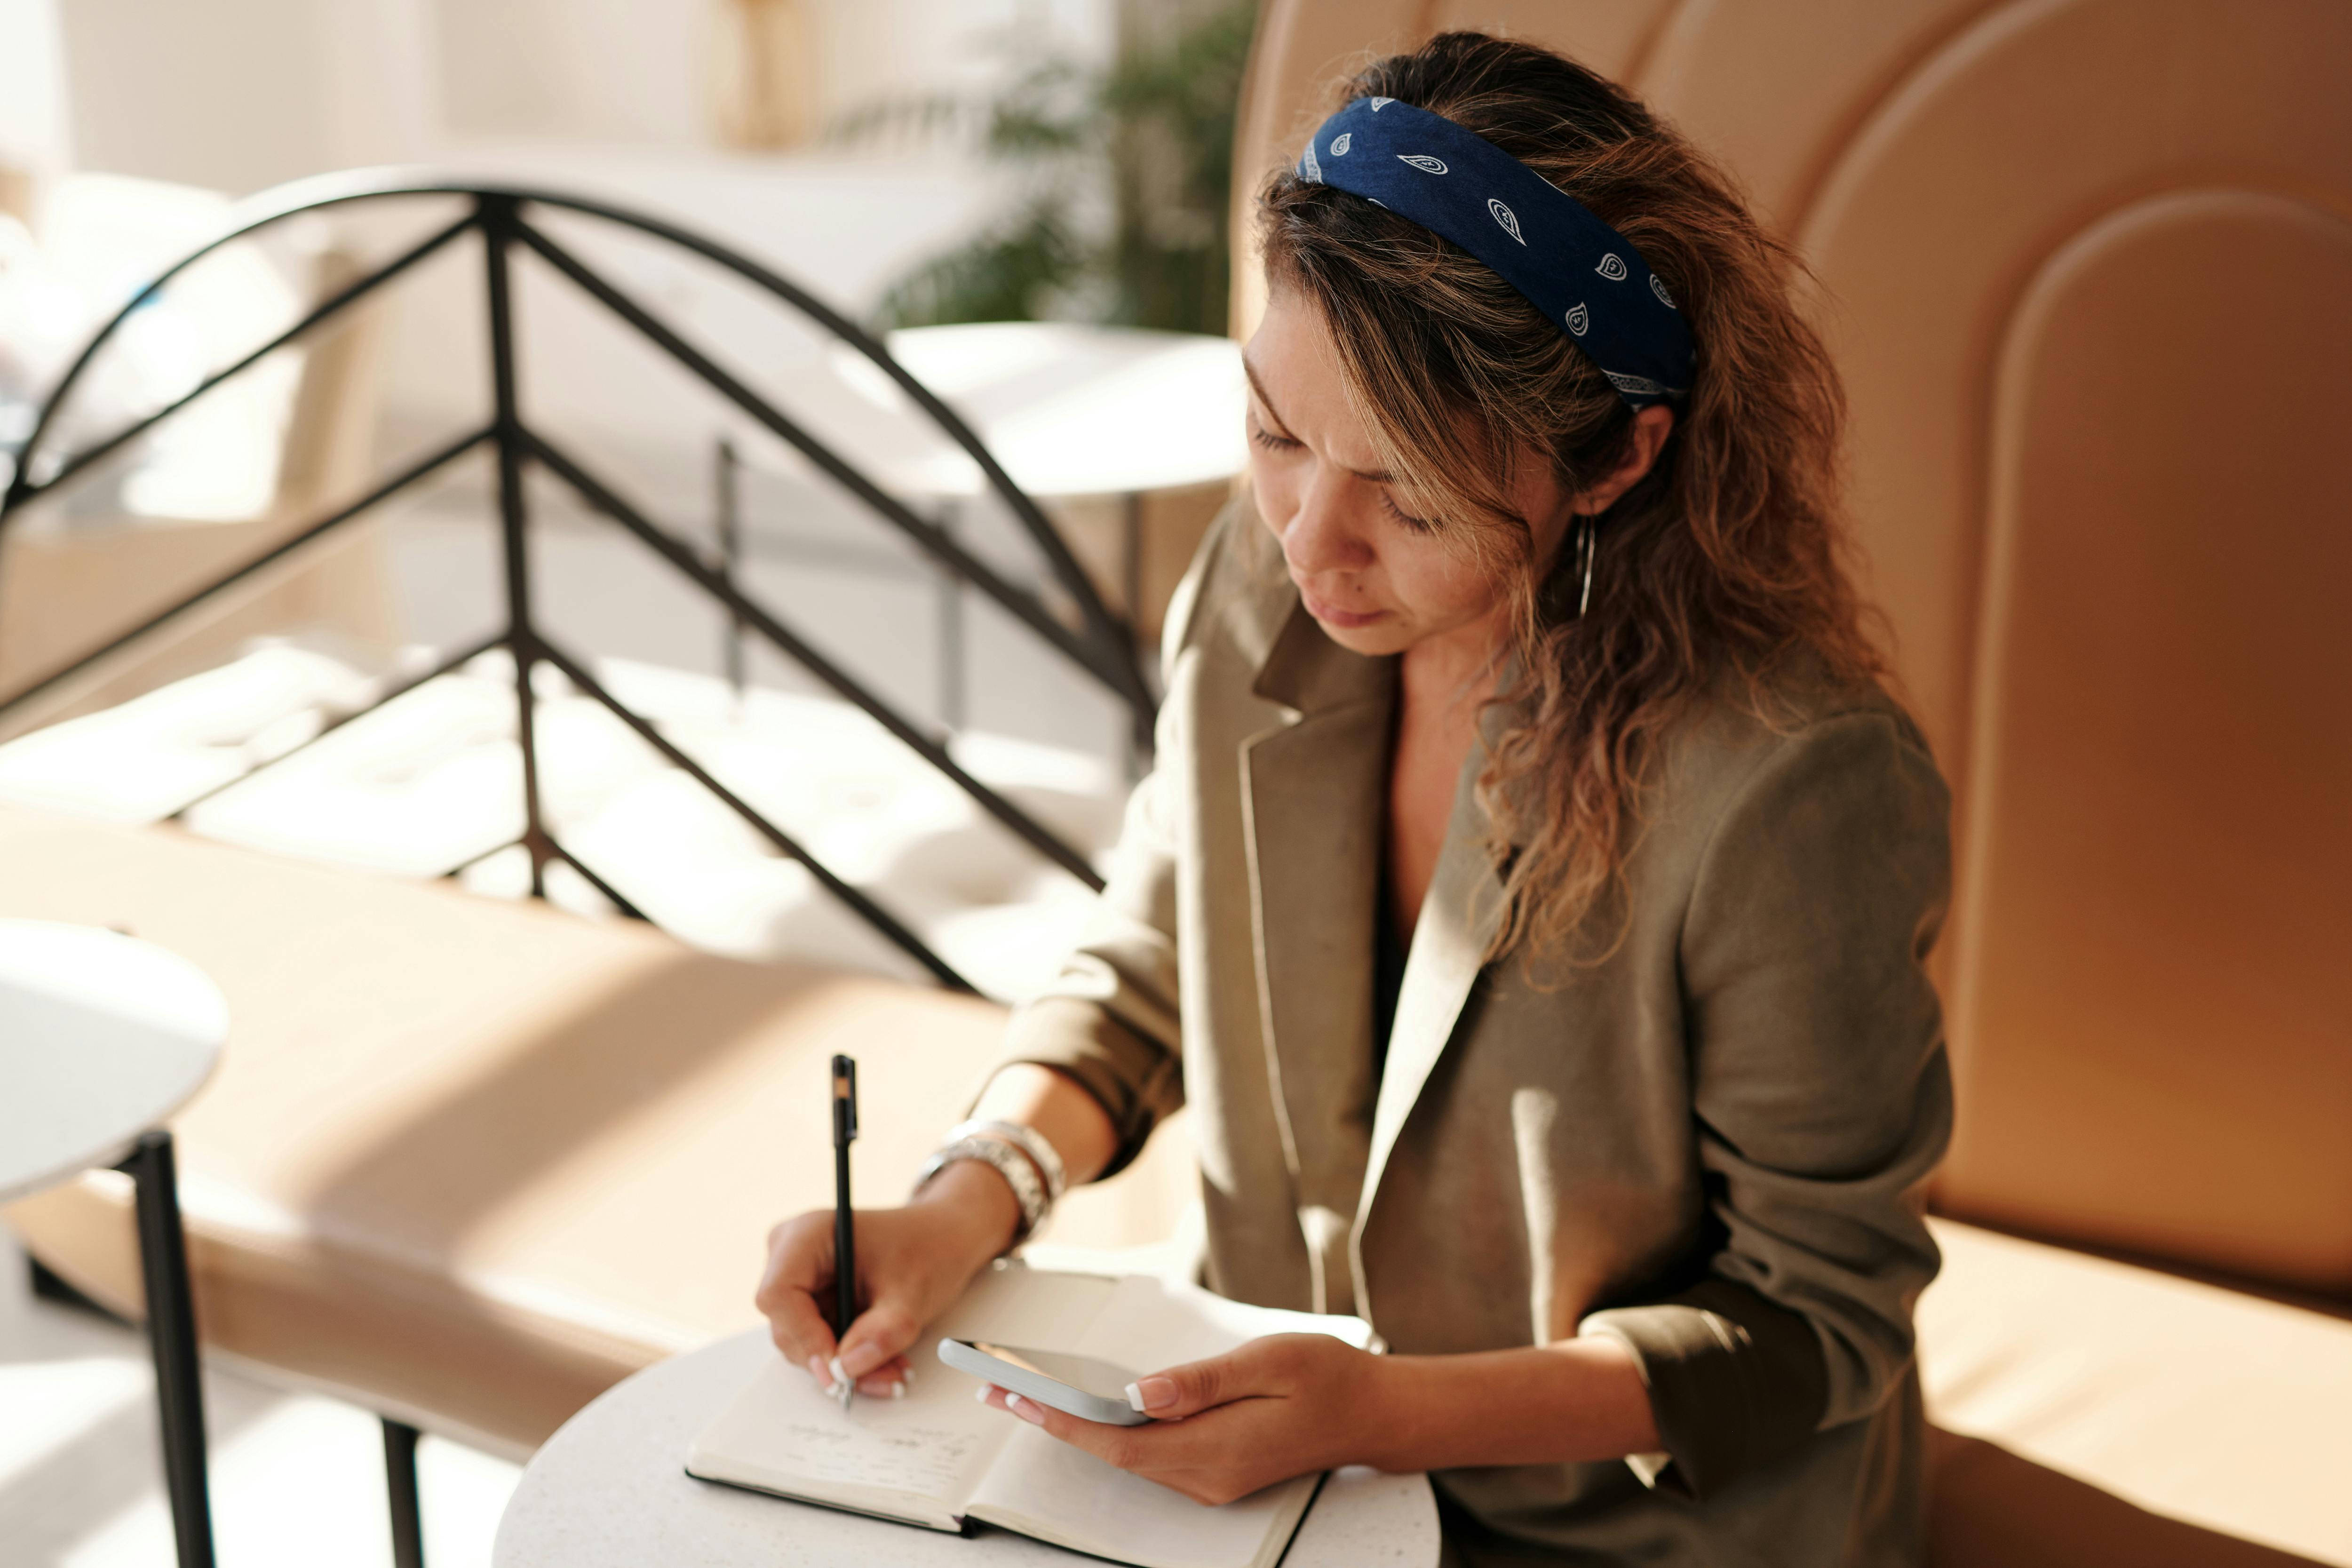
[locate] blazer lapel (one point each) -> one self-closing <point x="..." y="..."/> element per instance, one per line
<point x="1316" y="782"/>
<point x="1459" y="918"/>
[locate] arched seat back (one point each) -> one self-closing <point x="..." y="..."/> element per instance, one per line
<point x="2086" y="268"/>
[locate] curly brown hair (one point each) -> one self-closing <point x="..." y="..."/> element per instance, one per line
<point x="1720" y="573"/>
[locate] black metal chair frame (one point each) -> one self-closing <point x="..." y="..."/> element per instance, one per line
<point x="1102" y="644"/>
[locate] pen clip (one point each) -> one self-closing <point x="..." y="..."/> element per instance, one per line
<point x="844" y="1101"/>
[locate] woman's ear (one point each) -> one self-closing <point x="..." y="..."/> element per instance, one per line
<point x="1652" y="426"/>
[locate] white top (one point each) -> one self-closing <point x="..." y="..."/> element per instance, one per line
<point x="102" y="1037"/>
<point x="1067" y="410"/>
<point x="610" y="1491"/>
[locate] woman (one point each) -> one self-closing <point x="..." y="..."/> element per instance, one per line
<point x="1531" y="896"/>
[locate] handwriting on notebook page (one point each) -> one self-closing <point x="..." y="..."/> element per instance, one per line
<point x="926" y="1459"/>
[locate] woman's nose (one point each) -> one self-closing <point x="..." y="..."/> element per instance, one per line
<point x="1323" y="535"/>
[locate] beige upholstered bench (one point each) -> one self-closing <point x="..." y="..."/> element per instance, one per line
<point x="2091" y="1412"/>
<point x="468" y="1162"/>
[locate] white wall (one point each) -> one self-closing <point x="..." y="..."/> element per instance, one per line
<point x="879" y="48"/>
<point x="34" y="134"/>
<point x="586" y="70"/>
<point x="240" y="94"/>
<point x="228" y="93"/>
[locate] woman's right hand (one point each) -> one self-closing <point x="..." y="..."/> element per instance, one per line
<point x="913" y="1263"/>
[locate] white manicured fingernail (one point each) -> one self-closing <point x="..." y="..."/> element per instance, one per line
<point x="1025" y="1410"/>
<point x="980" y="1393"/>
<point x="898" y="1390"/>
<point x="908" y="1375"/>
<point x="834" y="1367"/>
<point x="1135" y="1397"/>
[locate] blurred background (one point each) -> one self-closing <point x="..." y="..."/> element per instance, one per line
<point x="908" y="163"/>
<point x="1029" y="200"/>
<point x="1060" y="164"/>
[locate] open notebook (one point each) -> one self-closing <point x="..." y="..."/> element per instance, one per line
<point x="938" y="1458"/>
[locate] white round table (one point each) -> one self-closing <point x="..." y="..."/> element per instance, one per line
<point x="1073" y="411"/>
<point x="102" y="1037"/>
<point x="610" y="1491"/>
<point x="1067" y="410"/>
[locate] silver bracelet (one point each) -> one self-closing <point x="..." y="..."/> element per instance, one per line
<point x="1030" y="1141"/>
<point x="1007" y="1161"/>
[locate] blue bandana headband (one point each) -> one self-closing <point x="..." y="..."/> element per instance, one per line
<point x="1574" y="268"/>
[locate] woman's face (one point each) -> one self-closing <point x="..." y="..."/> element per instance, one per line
<point x="1377" y="579"/>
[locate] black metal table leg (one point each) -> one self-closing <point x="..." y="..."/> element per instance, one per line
<point x="171" y="1332"/>
<point x="400" y="1488"/>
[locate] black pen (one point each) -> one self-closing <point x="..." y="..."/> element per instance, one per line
<point x="845" y="1236"/>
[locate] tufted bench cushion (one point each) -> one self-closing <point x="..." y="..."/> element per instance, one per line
<point x="2093" y="1412"/>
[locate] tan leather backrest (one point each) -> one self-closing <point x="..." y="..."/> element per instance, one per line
<point x="2087" y="266"/>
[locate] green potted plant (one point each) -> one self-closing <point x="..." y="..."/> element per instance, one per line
<point x="1155" y="130"/>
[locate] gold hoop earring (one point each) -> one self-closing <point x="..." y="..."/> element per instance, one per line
<point x="1587" y="530"/>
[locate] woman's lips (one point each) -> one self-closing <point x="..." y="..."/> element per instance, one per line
<point x="1332" y="615"/>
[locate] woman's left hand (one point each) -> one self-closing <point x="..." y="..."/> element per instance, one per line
<point x="1281" y="1407"/>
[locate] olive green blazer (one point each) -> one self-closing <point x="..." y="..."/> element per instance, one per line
<point x="1712" y="1144"/>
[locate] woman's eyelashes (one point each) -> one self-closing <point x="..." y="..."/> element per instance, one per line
<point x="1404" y="518"/>
<point x="1273" y="443"/>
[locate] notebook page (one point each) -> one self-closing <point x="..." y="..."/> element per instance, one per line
<point x="918" y="1457"/>
<point x="1049" y="1490"/>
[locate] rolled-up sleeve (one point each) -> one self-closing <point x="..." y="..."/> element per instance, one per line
<point x="1110" y="1022"/>
<point x="1823" y="1096"/>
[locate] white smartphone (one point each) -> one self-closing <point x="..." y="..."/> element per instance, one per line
<point x="1076" y="1384"/>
